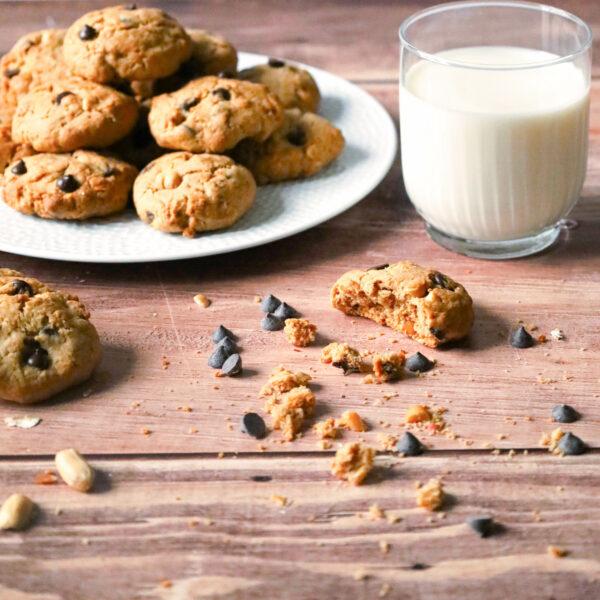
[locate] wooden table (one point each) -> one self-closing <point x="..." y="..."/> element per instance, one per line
<point x="176" y="513"/>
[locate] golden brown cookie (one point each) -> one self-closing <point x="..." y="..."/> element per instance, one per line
<point x="181" y="192"/>
<point x="212" y="114"/>
<point x="73" y="114"/>
<point x="294" y="86"/>
<point x="304" y="145"/>
<point x="121" y="43"/>
<point x="47" y="343"/>
<point x="68" y="186"/>
<point x="422" y="303"/>
<point x="35" y="59"/>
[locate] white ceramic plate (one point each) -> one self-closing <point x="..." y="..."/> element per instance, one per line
<point x="280" y="210"/>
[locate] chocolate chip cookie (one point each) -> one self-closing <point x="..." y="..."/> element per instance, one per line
<point x="187" y="193"/>
<point x="68" y="186"/>
<point x="213" y="114"/>
<point x="47" y="343"/>
<point x="294" y="86"/>
<point x="35" y="59"/>
<point x="73" y="114"/>
<point x="421" y="303"/>
<point x="304" y="145"/>
<point x="125" y="43"/>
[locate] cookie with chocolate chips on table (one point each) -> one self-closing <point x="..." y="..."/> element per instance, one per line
<point x="76" y="186"/>
<point x="125" y="43"/>
<point x="47" y="342"/>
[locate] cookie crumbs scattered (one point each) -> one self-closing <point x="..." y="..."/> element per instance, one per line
<point x="431" y="495"/>
<point x="327" y="429"/>
<point x="556" y="552"/>
<point x="353" y="462"/>
<point x="360" y="575"/>
<point x="166" y="583"/>
<point x="300" y="332"/>
<point x="552" y="439"/>
<point x="388" y="366"/>
<point x="45" y="478"/>
<point x="388" y="442"/>
<point x="278" y="499"/>
<point x="417" y="413"/>
<point x="146" y="431"/>
<point x="343" y="356"/>
<point x="202" y="300"/>
<point x="375" y="512"/>
<point x="352" y="421"/>
<point x="165" y="362"/>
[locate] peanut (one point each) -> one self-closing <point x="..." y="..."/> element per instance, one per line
<point x="16" y="512"/>
<point x="74" y="470"/>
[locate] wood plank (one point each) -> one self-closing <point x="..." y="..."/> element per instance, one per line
<point x="311" y="31"/>
<point x="145" y="312"/>
<point x="147" y="523"/>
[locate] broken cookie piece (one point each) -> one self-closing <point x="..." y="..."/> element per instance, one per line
<point x="353" y="462"/>
<point x="327" y="429"/>
<point x="422" y="303"/>
<point x="283" y="380"/>
<point x="343" y="356"/>
<point x="300" y="332"/>
<point x="431" y="495"/>
<point x="388" y="366"/>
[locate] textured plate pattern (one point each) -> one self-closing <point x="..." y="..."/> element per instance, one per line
<point x="280" y="210"/>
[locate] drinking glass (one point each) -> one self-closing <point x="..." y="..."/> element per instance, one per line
<point x="494" y="110"/>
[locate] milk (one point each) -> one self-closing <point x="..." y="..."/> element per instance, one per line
<point x="493" y="154"/>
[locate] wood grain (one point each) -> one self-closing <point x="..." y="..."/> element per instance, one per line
<point x="145" y="312"/>
<point x="153" y="520"/>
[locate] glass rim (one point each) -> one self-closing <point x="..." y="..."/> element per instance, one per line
<point x="533" y="6"/>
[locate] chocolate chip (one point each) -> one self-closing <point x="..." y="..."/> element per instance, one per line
<point x="12" y="72"/>
<point x="19" y="168"/>
<point x="409" y="445"/>
<point x="276" y="63"/>
<point x="419" y="362"/>
<point x="484" y="526"/>
<point x="218" y="357"/>
<point x="521" y="338"/>
<point x="563" y="413"/>
<point x="49" y="331"/>
<point x="87" y="33"/>
<point x="21" y="287"/>
<point x="67" y="183"/>
<point x="62" y="95"/>
<point x="271" y="323"/>
<point x="441" y="281"/>
<point x="34" y="355"/>
<point x="438" y="333"/>
<point x="261" y="478"/>
<point x="419" y="566"/>
<point x="228" y="344"/>
<point x="222" y="93"/>
<point x="189" y="103"/>
<point x="221" y="332"/>
<point x="571" y="445"/>
<point x="297" y="137"/>
<point x="270" y="304"/>
<point x="232" y="366"/>
<point x="379" y="267"/>
<point x="253" y="424"/>
<point x="285" y="311"/>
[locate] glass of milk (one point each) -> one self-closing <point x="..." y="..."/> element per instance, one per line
<point x="494" y="104"/>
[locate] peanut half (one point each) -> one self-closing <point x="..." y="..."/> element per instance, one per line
<point x="16" y="512"/>
<point x="74" y="469"/>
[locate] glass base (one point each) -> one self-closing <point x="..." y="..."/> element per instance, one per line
<point x="496" y="250"/>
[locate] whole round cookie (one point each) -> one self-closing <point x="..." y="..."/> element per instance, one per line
<point x="47" y="343"/>
<point x="304" y="145"/>
<point x="36" y="58"/>
<point x="212" y="114"/>
<point x="77" y="186"/>
<point x="128" y="43"/>
<point x="73" y="114"/>
<point x="187" y="193"/>
<point x="9" y="149"/>
<point x="294" y="86"/>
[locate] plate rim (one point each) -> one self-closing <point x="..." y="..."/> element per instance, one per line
<point x="385" y="166"/>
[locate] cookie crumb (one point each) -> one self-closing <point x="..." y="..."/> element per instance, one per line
<point x="343" y="356"/>
<point x="353" y="462"/>
<point x="431" y="495"/>
<point x="327" y="429"/>
<point x="556" y="552"/>
<point x="557" y="334"/>
<point x="202" y="300"/>
<point x="300" y="332"/>
<point x="384" y="546"/>
<point x="166" y="583"/>
<point x="375" y="512"/>
<point x="278" y="499"/>
<point x="417" y="413"/>
<point x="45" y="478"/>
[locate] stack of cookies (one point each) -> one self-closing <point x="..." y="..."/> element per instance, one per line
<point x="122" y="89"/>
